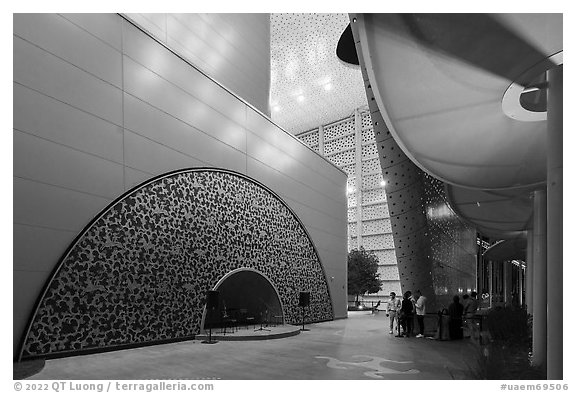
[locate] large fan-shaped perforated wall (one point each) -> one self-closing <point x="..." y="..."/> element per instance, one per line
<point x="139" y="272"/>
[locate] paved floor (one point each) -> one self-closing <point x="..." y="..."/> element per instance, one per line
<point x="359" y="347"/>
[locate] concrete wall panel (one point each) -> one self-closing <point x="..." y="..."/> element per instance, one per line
<point x="233" y="49"/>
<point x="281" y="161"/>
<point x="47" y="118"/>
<point x="69" y="42"/>
<point x="51" y="163"/>
<point x="107" y="27"/>
<point x="42" y="246"/>
<point x="157" y="126"/>
<point x="149" y="87"/>
<point x="268" y="131"/>
<point x="313" y="218"/>
<point x="134" y="177"/>
<point x="154" y="24"/>
<point x="292" y="188"/>
<point x="146" y="51"/>
<point x="151" y="157"/>
<point x="42" y="71"/>
<point x="44" y="205"/>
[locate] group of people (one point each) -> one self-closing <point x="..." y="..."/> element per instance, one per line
<point x="402" y="313"/>
<point x="461" y="315"/>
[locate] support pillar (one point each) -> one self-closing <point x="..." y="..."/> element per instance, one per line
<point x="521" y="286"/>
<point x="321" y="140"/>
<point x="539" y="291"/>
<point x="507" y="282"/>
<point x="479" y="269"/>
<point x="554" y="249"/>
<point x="358" y="156"/>
<point x="529" y="271"/>
<point x="491" y="282"/>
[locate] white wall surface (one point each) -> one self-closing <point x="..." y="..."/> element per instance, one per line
<point x="100" y="107"/>
<point x="233" y="49"/>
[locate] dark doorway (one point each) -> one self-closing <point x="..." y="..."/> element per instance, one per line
<point x="246" y="298"/>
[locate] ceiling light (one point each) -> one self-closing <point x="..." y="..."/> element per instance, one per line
<point x="276" y="108"/>
<point x="328" y="86"/>
<point x="383" y="183"/>
<point x="300" y="98"/>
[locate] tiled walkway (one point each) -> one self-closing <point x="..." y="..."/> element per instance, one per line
<point x="359" y="347"/>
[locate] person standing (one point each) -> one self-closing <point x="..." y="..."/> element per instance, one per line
<point x="455" y="311"/>
<point x="470" y="309"/>
<point x="472" y="305"/>
<point x="420" y="306"/>
<point x="392" y="309"/>
<point x="465" y="301"/>
<point x="407" y="314"/>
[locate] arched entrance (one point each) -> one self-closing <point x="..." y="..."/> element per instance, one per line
<point x="245" y="296"/>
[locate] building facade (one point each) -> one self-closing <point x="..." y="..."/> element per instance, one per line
<point x="109" y="115"/>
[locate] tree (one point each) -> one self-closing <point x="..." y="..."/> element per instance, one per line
<point x="363" y="276"/>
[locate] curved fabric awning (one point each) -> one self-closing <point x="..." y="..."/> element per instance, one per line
<point x="507" y="250"/>
<point x="448" y="86"/>
<point x="499" y="213"/>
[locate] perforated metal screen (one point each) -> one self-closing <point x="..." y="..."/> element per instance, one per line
<point x="351" y="144"/>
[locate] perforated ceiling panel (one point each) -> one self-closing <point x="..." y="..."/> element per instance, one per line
<point x="309" y="85"/>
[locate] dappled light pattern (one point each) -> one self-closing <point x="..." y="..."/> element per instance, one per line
<point x="372" y="363"/>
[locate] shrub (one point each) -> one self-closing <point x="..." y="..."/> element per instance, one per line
<point x="507" y="354"/>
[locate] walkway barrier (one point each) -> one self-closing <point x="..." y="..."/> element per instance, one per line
<point x="362" y="305"/>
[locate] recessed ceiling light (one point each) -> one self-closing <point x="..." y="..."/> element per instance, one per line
<point x="383" y="183"/>
<point x="300" y="98"/>
<point x="328" y="86"/>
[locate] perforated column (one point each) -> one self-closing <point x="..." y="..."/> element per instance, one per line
<point x="405" y="196"/>
<point x="358" y="185"/>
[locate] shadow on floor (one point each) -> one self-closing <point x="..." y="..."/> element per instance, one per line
<point x="22" y="370"/>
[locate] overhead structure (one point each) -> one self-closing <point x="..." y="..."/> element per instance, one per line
<point x="495" y="213"/>
<point x="475" y="100"/>
<point x="507" y="250"/>
<point x="449" y="87"/>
